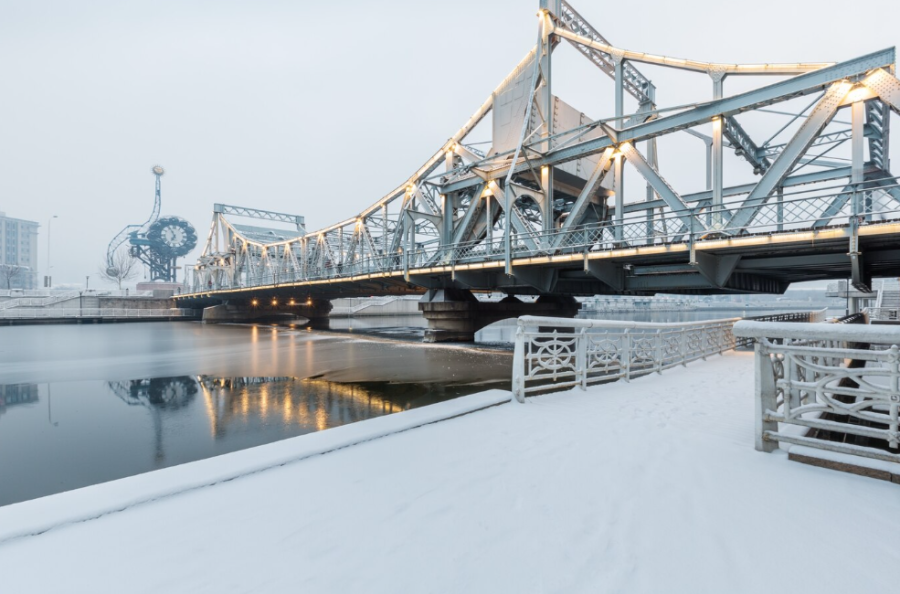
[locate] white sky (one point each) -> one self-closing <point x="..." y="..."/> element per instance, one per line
<point x="320" y="108"/>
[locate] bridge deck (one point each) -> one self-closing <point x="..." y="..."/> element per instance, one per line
<point x="765" y="263"/>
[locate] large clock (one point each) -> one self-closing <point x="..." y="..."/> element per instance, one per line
<point x="172" y="236"/>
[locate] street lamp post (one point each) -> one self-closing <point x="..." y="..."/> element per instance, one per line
<point x="49" y="279"/>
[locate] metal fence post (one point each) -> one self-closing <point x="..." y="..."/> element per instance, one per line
<point x="626" y="353"/>
<point x="518" y="378"/>
<point x="659" y="352"/>
<point x="581" y="357"/>
<point x="764" y="379"/>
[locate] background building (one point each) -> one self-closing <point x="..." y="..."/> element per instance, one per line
<point x="18" y="247"/>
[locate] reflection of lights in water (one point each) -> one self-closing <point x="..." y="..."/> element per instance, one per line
<point x="286" y="411"/>
<point x="264" y="400"/>
<point x="313" y="404"/>
<point x="208" y="403"/>
<point x="321" y="419"/>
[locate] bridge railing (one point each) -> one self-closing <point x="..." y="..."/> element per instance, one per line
<point x="791" y="213"/>
<point x="804" y="385"/>
<point x="554" y="353"/>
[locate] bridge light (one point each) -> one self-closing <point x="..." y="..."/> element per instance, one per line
<point x="858" y="94"/>
<point x="274" y="302"/>
<point x="292" y="302"/>
<point x="254" y="303"/>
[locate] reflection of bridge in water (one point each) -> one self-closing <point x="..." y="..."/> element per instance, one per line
<point x="541" y="208"/>
<point x="308" y="403"/>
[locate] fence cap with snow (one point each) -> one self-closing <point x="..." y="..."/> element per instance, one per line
<point x="818" y="331"/>
<point x="583" y="323"/>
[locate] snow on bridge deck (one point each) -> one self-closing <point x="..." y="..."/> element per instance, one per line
<point x="650" y="486"/>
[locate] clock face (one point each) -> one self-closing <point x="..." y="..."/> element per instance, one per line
<point x="173" y="236"/>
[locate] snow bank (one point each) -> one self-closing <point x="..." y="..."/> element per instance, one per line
<point x="875" y="334"/>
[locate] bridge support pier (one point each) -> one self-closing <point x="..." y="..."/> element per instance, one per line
<point x="316" y="311"/>
<point x="454" y="315"/>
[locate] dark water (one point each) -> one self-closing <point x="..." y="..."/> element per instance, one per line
<point x="86" y="404"/>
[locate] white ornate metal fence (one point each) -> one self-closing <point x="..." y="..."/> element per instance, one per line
<point x="804" y="383"/>
<point x="553" y="353"/>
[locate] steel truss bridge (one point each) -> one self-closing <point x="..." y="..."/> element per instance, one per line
<point x="540" y="208"/>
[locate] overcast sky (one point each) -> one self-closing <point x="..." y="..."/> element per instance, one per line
<point x="319" y="108"/>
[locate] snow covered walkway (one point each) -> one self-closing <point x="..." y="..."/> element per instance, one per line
<point x="652" y="486"/>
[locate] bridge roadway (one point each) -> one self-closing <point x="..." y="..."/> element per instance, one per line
<point x="540" y="207"/>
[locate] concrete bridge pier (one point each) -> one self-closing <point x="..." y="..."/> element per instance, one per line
<point x="454" y="315"/>
<point x="315" y="310"/>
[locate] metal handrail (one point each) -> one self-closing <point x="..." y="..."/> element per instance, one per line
<point x="802" y="379"/>
<point x="584" y="352"/>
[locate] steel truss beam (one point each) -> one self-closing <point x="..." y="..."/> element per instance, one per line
<point x="821" y="114"/>
<point x="661" y="187"/>
<point x="255" y="213"/>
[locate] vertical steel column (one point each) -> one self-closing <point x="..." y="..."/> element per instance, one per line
<point x="405" y="234"/>
<point x="489" y="223"/>
<point x="653" y="159"/>
<point x="446" y="220"/>
<point x="447" y="204"/>
<point x="507" y="233"/>
<point x="780" y="208"/>
<point x="385" y="256"/>
<point x="547" y="108"/>
<point x="619" y="191"/>
<point x="717" y="154"/>
<point x="858" y="142"/>
<point x="619" y="163"/>
<point x="340" y="246"/>
<point x="620" y="89"/>
<point x="857" y="176"/>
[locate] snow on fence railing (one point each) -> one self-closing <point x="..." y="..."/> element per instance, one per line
<point x="43" y="301"/>
<point x="882" y="314"/>
<point x="93" y="312"/>
<point x="802" y="379"/>
<point x="553" y="353"/>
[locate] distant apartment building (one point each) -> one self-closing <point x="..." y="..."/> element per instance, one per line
<point x="18" y="247"/>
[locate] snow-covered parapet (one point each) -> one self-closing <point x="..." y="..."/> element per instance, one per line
<point x="815" y="332"/>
